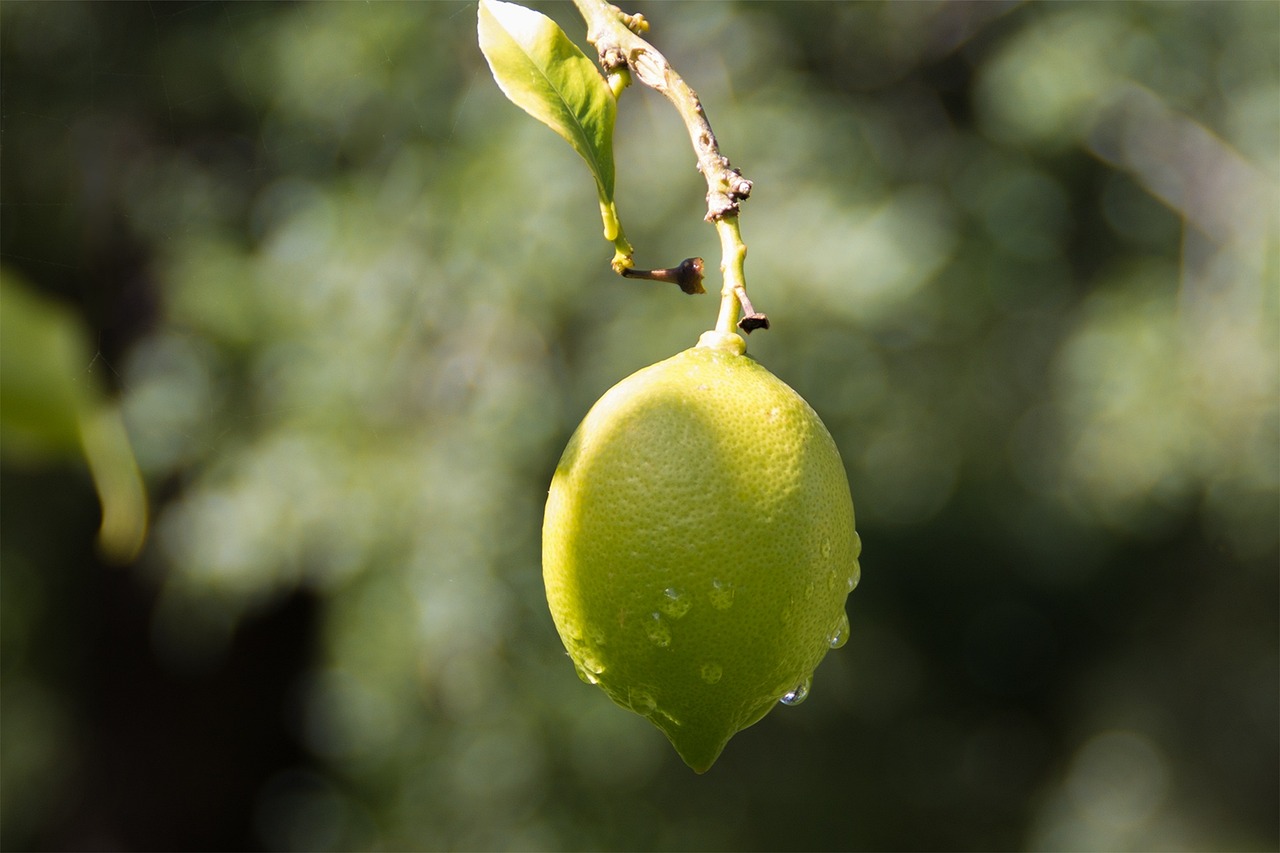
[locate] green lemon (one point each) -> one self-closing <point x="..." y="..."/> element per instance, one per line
<point x="699" y="544"/>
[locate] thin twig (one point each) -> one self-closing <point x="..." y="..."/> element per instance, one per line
<point x="609" y="30"/>
<point x="615" y="36"/>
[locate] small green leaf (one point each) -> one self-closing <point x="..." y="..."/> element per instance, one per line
<point x="52" y="407"/>
<point x="541" y="71"/>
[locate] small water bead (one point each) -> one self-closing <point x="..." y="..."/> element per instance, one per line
<point x="711" y="672"/>
<point x="826" y="548"/>
<point x="675" y="603"/>
<point x="797" y="694"/>
<point x="721" y="594"/>
<point x="657" y="631"/>
<point x="855" y="577"/>
<point x="641" y="702"/>
<point x="840" y="635"/>
<point x="584" y="675"/>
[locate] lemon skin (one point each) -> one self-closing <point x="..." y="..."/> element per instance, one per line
<point x="699" y="544"/>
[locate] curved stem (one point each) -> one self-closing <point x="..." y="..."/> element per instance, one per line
<point x="616" y="38"/>
<point x="610" y="31"/>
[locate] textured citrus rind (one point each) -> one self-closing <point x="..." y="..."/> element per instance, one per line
<point x="698" y="546"/>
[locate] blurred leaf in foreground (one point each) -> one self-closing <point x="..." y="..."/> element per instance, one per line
<point x="51" y="408"/>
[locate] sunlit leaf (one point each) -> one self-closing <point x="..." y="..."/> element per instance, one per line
<point x="541" y="71"/>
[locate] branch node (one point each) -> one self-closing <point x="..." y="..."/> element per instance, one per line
<point x="636" y="23"/>
<point x="612" y="58"/>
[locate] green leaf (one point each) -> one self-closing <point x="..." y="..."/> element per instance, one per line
<point x="541" y="71"/>
<point x="52" y="407"/>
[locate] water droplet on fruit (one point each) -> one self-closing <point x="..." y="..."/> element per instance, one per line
<point x="584" y="675"/>
<point x="721" y="595"/>
<point x="592" y="665"/>
<point x="840" y="635"/>
<point x="641" y="702"/>
<point x="797" y="694"/>
<point x="855" y="577"/>
<point x="675" y="603"/>
<point x="711" y="672"/>
<point x="826" y="548"/>
<point x="658" y="632"/>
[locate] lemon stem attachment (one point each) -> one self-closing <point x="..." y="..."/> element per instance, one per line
<point x="616" y="38"/>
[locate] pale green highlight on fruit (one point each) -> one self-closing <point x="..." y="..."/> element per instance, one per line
<point x="699" y="544"/>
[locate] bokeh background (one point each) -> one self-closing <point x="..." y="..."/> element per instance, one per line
<point x="350" y="303"/>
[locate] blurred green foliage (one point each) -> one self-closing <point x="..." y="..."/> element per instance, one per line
<point x="50" y="406"/>
<point x="1021" y="258"/>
